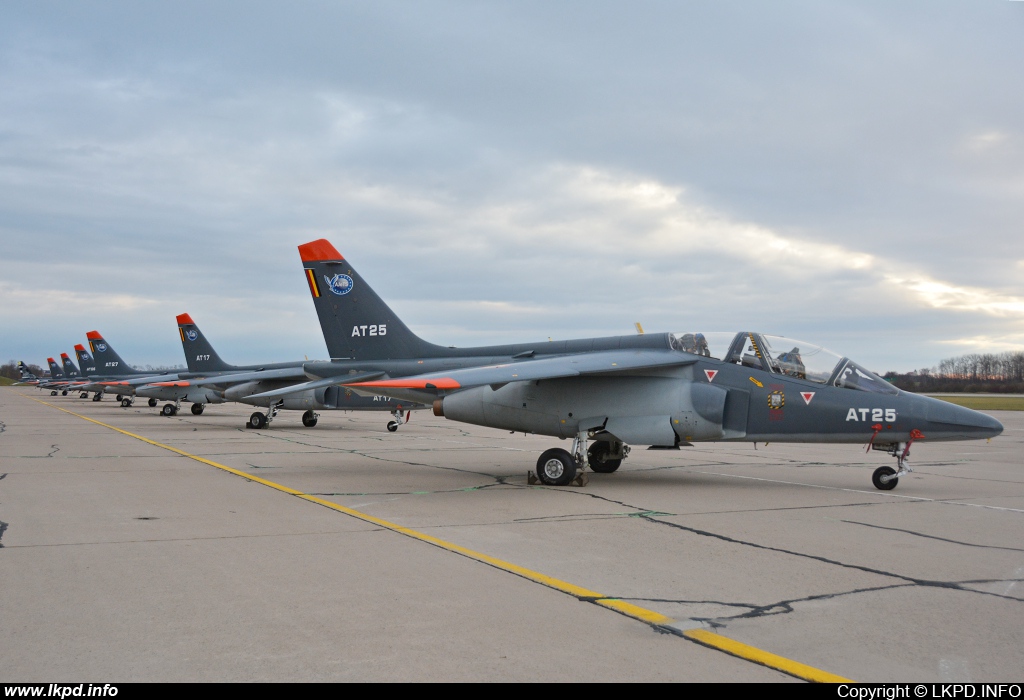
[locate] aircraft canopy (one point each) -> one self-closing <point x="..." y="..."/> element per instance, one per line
<point x="774" y="353"/>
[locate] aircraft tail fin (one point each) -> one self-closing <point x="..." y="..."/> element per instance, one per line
<point x="107" y="360"/>
<point x="85" y="361"/>
<point x="69" y="367"/>
<point x="355" y="321"/>
<point x="55" y="371"/>
<point x="26" y="373"/>
<point x="199" y="354"/>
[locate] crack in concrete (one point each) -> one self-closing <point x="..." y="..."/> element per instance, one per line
<point x="934" y="537"/>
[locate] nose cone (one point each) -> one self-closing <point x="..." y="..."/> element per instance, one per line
<point x="952" y="422"/>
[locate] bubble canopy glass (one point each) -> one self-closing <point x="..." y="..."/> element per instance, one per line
<point x="779" y="355"/>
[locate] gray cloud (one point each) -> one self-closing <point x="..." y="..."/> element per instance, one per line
<point x="515" y="171"/>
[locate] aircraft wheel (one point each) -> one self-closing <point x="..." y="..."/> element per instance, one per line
<point x="53" y="393"/>
<point x="64" y="393"/>
<point x="392" y="426"/>
<point x="889" y="485"/>
<point x="152" y="403"/>
<point x="84" y="395"/>
<point x="257" y="421"/>
<point x="118" y="397"/>
<point x="556" y="467"/>
<point x="125" y="403"/>
<point x="168" y="410"/>
<point x="309" y="419"/>
<point x="597" y="458"/>
<point x="197" y="409"/>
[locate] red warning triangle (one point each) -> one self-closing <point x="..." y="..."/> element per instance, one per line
<point x="711" y="374"/>
<point x="808" y="395"/>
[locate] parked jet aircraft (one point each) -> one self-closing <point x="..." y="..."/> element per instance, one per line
<point x="212" y="380"/>
<point x="27" y="376"/>
<point x="111" y="373"/>
<point x="660" y="389"/>
<point x="59" y="380"/>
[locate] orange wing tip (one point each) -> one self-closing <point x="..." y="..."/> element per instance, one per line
<point x="319" y="250"/>
<point x="94" y="335"/>
<point x="442" y="383"/>
<point x="185" y="318"/>
<point x="79" y="348"/>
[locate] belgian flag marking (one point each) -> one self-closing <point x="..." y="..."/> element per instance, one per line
<point x="313" y="287"/>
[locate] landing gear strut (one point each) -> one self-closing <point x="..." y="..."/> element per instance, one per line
<point x="401" y="417"/>
<point x="886" y="478"/>
<point x="258" y="421"/>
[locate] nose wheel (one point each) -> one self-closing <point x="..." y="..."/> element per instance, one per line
<point x="401" y="418"/>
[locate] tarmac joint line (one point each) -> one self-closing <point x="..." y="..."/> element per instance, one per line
<point x="654" y="619"/>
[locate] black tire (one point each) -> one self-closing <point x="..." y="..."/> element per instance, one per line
<point x="97" y="397"/>
<point x="556" y="467"/>
<point x="84" y="395"/>
<point x="53" y="393"/>
<point x="152" y="403"/>
<point x="125" y="403"/>
<point x="64" y="393"/>
<point x="118" y="398"/>
<point x="889" y="485"/>
<point x="197" y="409"/>
<point x="392" y="426"/>
<point x="597" y="458"/>
<point x="309" y="419"/>
<point x="168" y="410"/>
<point x="257" y="421"/>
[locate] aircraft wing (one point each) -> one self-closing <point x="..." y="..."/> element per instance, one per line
<point x="318" y="384"/>
<point x="610" y="361"/>
<point x="283" y="374"/>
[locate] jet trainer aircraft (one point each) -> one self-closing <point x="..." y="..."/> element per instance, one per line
<point x="659" y="389"/>
<point x="109" y="372"/>
<point x="212" y="380"/>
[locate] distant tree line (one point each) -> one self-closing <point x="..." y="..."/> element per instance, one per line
<point x="1001" y="373"/>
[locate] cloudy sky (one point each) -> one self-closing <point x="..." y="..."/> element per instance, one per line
<point x="850" y="174"/>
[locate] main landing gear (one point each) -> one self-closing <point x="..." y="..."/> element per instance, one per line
<point x="152" y="403"/>
<point x="84" y="395"/>
<point x="53" y="392"/>
<point x="119" y="398"/>
<point x="258" y="421"/>
<point x="171" y="409"/>
<point x="98" y="396"/>
<point x="127" y="401"/>
<point x="558" y="467"/>
<point x="197" y="409"/>
<point x="309" y="418"/>
<point x="401" y="418"/>
<point x="64" y="393"/>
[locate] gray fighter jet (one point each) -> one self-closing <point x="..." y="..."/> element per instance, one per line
<point x="658" y="389"/>
<point x="108" y="372"/>
<point x="212" y="380"/>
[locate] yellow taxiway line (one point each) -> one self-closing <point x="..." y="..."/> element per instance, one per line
<point x="650" y="617"/>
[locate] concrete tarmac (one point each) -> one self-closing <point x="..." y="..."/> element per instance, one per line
<point x="121" y="560"/>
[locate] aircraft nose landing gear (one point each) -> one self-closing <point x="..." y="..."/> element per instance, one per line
<point x="401" y="417"/>
<point x="886" y="478"/>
